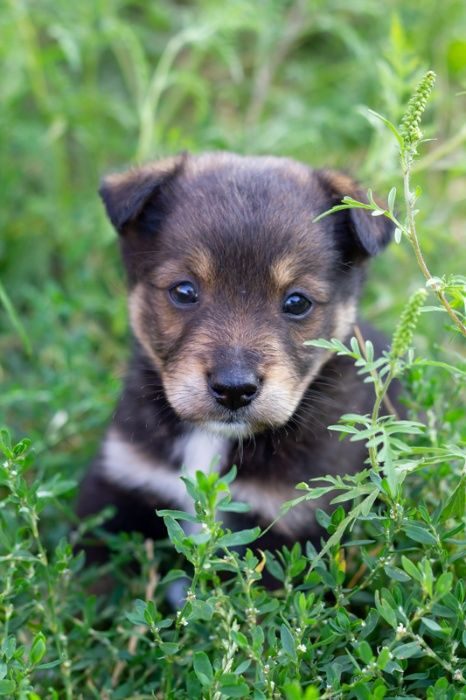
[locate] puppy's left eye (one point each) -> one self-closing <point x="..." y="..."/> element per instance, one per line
<point x="184" y="293"/>
<point x="296" y="304"/>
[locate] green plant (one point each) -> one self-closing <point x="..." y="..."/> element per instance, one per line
<point x="409" y="136"/>
<point x="389" y="620"/>
<point x="380" y="610"/>
<point x="394" y="624"/>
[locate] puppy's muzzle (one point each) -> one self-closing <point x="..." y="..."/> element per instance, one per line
<point x="233" y="388"/>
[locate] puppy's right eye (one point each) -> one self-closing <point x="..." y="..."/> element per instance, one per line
<point x="184" y="293"/>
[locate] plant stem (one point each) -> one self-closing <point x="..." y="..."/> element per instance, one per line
<point x="380" y="394"/>
<point x="413" y="239"/>
<point x="386" y="399"/>
<point x="54" y="621"/>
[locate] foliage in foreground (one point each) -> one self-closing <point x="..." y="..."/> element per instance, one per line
<point x="379" y="614"/>
<point x="394" y="626"/>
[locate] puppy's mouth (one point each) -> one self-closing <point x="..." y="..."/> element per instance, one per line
<point x="237" y="429"/>
<point x="241" y="423"/>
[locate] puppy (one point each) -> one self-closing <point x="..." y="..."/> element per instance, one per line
<point x="228" y="276"/>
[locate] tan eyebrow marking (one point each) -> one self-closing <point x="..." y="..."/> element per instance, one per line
<point x="197" y="262"/>
<point x="283" y="271"/>
<point x="200" y="262"/>
<point x="287" y="271"/>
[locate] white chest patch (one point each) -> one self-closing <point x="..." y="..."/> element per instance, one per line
<point x="201" y="451"/>
<point x="128" y="467"/>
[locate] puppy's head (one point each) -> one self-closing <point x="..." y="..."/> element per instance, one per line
<point x="229" y="275"/>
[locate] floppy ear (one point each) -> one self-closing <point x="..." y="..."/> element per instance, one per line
<point x="369" y="234"/>
<point x="126" y="194"/>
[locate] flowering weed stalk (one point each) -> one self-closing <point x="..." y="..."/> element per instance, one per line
<point x="409" y="136"/>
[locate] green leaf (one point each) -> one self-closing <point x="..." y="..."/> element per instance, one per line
<point x="55" y="487"/>
<point x="293" y="691"/>
<point x="365" y="652"/>
<point x="257" y="635"/>
<point x="366" y="505"/>
<point x="203" y="668"/>
<point x="391" y="199"/>
<point x="431" y="624"/>
<point x="201" y="610"/>
<point x="177" y="515"/>
<point x="419" y="534"/>
<point x="339" y="207"/>
<point x="356" y="204"/>
<point x="456" y="504"/>
<point x="9" y="647"/>
<point x="14" y="319"/>
<point x="379" y="691"/>
<point x="136" y="616"/>
<point x="288" y="642"/>
<point x="243" y="666"/>
<point x="385" y="610"/>
<point x="169" y="648"/>
<point x="7" y="687"/>
<point x="176" y="534"/>
<point x="444" y="584"/>
<point x="49" y="664"/>
<point x="389" y="125"/>
<point x="240" y="639"/>
<point x="405" y="651"/>
<point x="393" y="477"/>
<point x="396" y="574"/>
<point x="235" y="539"/>
<point x="230" y="476"/>
<point x="38" y="649"/>
<point x="230" y="506"/>
<point x="411" y="569"/>
<point x="383" y="658"/>
<point x="173" y="575"/>
<point x="234" y="690"/>
<point x="275" y="568"/>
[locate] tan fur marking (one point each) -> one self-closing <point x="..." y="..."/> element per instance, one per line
<point x="167" y="273"/>
<point x="286" y="271"/>
<point x="200" y="261"/>
<point x="283" y="271"/>
<point x="345" y="317"/>
<point x="313" y="372"/>
<point x="341" y="183"/>
<point x="136" y="305"/>
<point x="197" y="262"/>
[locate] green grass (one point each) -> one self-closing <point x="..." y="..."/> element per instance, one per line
<point x="90" y="87"/>
<point x="76" y="88"/>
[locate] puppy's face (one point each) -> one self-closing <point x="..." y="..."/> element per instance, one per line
<point x="229" y="276"/>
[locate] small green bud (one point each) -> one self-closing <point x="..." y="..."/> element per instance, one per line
<point x="403" y="335"/>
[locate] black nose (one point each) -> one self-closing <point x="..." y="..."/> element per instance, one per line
<point x="233" y="389"/>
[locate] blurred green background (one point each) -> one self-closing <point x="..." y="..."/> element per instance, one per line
<point x="87" y="87"/>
